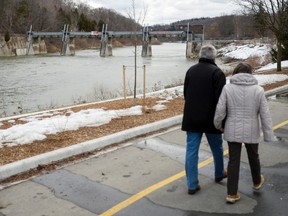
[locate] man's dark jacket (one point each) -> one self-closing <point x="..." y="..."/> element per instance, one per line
<point x="202" y="88"/>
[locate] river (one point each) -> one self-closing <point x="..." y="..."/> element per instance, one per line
<point x="33" y="83"/>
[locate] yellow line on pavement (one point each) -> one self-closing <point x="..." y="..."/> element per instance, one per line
<point x="280" y="125"/>
<point x="152" y="188"/>
<point x="160" y="184"/>
<point x="141" y="194"/>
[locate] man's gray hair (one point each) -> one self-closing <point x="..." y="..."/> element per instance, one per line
<point x="208" y="52"/>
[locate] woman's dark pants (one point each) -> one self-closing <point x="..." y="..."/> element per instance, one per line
<point x="234" y="165"/>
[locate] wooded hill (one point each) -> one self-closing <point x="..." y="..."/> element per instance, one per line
<point x="50" y="15"/>
<point x="17" y="15"/>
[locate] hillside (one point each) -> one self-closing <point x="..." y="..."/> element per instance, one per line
<point x="17" y="16"/>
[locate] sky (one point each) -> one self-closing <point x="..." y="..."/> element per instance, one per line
<point x="168" y="11"/>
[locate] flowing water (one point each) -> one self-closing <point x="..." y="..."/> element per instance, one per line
<point x="32" y="83"/>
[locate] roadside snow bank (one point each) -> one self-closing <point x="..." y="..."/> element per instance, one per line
<point x="264" y="79"/>
<point x="284" y="64"/>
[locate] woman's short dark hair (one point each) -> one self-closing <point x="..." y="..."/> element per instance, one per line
<point x="242" y="68"/>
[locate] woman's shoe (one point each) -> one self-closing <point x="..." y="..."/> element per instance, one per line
<point x="232" y="198"/>
<point x="258" y="186"/>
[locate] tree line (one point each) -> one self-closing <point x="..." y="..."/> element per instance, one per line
<point x="260" y="18"/>
<point x="17" y="15"/>
<point x="271" y="15"/>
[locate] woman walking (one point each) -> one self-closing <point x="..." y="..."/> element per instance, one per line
<point x="242" y="103"/>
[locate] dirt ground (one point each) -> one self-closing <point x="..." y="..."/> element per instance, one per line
<point x="68" y="138"/>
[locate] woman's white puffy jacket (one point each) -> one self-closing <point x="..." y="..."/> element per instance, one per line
<point x="243" y="104"/>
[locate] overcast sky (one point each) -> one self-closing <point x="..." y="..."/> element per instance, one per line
<point x="168" y="11"/>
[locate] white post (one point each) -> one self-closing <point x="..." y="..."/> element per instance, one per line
<point x="124" y="81"/>
<point x="144" y="82"/>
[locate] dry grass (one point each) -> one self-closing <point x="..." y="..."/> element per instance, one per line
<point x="67" y="138"/>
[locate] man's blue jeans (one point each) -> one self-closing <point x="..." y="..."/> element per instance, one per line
<point x="192" y="149"/>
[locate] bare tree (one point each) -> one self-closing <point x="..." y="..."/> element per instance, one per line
<point x="226" y="26"/>
<point x="275" y="19"/>
<point x="6" y="15"/>
<point x="138" y="22"/>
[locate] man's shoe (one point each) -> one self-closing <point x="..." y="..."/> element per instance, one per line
<point x="232" y="198"/>
<point x="258" y="186"/>
<point x="219" y="179"/>
<point x="193" y="191"/>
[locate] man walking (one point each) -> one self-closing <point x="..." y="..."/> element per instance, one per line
<point x="202" y="88"/>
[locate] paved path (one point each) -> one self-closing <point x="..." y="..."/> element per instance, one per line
<point x="146" y="177"/>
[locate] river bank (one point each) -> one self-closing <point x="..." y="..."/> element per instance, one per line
<point x="17" y="45"/>
<point x="14" y="47"/>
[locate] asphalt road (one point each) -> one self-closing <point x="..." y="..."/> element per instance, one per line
<point x="146" y="177"/>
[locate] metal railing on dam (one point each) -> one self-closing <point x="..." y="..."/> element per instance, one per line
<point x="68" y="47"/>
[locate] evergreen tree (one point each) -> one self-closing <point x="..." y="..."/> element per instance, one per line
<point x="7" y="36"/>
<point x="100" y="25"/>
<point x="85" y="24"/>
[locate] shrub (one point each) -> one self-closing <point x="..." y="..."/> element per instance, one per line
<point x="284" y="52"/>
<point x="7" y="36"/>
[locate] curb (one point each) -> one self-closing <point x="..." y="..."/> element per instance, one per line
<point x="59" y="154"/>
<point x="276" y="91"/>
